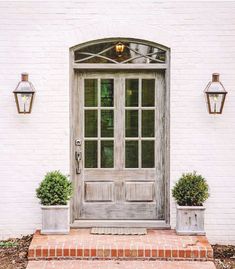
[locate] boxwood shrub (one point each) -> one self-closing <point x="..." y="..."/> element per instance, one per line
<point x="55" y="189"/>
<point x="191" y="190"/>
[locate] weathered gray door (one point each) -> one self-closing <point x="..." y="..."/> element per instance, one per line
<point x="119" y="122"/>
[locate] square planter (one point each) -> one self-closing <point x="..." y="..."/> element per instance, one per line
<point x="55" y="219"/>
<point x="190" y="220"/>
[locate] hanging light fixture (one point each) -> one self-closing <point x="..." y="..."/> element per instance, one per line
<point x="119" y="48"/>
<point x="215" y="95"/>
<point x="24" y="94"/>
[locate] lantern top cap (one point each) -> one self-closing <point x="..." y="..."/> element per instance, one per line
<point x="215" y="86"/>
<point x="215" y="77"/>
<point x="24" y="76"/>
<point x="24" y="86"/>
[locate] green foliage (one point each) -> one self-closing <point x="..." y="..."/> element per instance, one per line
<point x="8" y="244"/>
<point x="55" y="189"/>
<point x="191" y="190"/>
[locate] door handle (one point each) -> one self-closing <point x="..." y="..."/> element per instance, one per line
<point x="78" y="157"/>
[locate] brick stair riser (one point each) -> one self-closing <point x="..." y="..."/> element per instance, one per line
<point x="120" y="254"/>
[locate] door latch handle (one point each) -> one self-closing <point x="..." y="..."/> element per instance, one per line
<point x="78" y="157"/>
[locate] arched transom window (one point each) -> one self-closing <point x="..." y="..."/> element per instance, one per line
<point x="120" y="51"/>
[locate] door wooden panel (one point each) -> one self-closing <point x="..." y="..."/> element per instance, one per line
<point x="140" y="191"/>
<point x="98" y="191"/>
<point x="119" y="211"/>
<point x="120" y="126"/>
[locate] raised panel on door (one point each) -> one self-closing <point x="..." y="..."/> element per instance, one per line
<point x="98" y="191"/>
<point x="118" y="125"/>
<point x="140" y="191"/>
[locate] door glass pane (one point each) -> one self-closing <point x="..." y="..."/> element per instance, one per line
<point x="131" y="154"/>
<point x="107" y="123"/>
<point x="148" y="123"/>
<point x="106" y="154"/>
<point x="132" y="92"/>
<point x="131" y="123"/>
<point x="147" y="154"/>
<point x="107" y="92"/>
<point x="90" y="123"/>
<point x="90" y="92"/>
<point x="90" y="154"/>
<point x="148" y="92"/>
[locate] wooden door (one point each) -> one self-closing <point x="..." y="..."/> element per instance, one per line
<point x="119" y="124"/>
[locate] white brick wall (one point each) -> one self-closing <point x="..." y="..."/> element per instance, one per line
<point x="35" y="36"/>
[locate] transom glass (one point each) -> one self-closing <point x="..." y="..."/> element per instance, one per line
<point x="130" y="52"/>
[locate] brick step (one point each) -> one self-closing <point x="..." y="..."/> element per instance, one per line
<point x="72" y="264"/>
<point x="61" y="252"/>
<point x="157" y="244"/>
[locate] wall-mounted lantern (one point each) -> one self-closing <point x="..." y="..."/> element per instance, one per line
<point x="119" y="48"/>
<point x="24" y="94"/>
<point x="215" y="95"/>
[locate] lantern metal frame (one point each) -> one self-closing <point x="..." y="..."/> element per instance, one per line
<point x="208" y="93"/>
<point x="24" y="78"/>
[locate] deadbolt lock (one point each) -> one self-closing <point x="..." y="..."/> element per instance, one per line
<point x="78" y="142"/>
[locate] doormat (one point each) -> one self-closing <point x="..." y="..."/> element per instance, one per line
<point x="119" y="231"/>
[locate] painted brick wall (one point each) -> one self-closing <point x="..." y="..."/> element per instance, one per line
<point x="35" y="36"/>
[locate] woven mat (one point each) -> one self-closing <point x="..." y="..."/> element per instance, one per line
<point x="119" y="231"/>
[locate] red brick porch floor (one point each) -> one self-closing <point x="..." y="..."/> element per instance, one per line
<point x="157" y="244"/>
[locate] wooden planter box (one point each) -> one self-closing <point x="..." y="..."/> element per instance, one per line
<point x="55" y="219"/>
<point x="190" y="220"/>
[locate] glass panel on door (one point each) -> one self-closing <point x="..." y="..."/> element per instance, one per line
<point x="131" y="150"/>
<point x="148" y="92"/>
<point x="140" y="123"/>
<point x="107" y="123"/>
<point x="147" y="154"/>
<point x="91" y="154"/>
<point x="107" y="154"/>
<point x="147" y="126"/>
<point x="107" y="92"/>
<point x="139" y="117"/>
<point x="132" y="92"/>
<point x="91" y="123"/>
<point x="99" y="123"/>
<point x="132" y="123"/>
<point x="91" y="91"/>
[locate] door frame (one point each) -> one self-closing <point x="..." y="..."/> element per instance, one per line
<point x="74" y="68"/>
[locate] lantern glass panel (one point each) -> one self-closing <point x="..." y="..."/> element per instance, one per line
<point x="24" y="102"/>
<point x="216" y="102"/>
<point x="216" y="87"/>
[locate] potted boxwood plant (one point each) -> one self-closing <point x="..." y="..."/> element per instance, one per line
<point x="54" y="193"/>
<point x="190" y="192"/>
